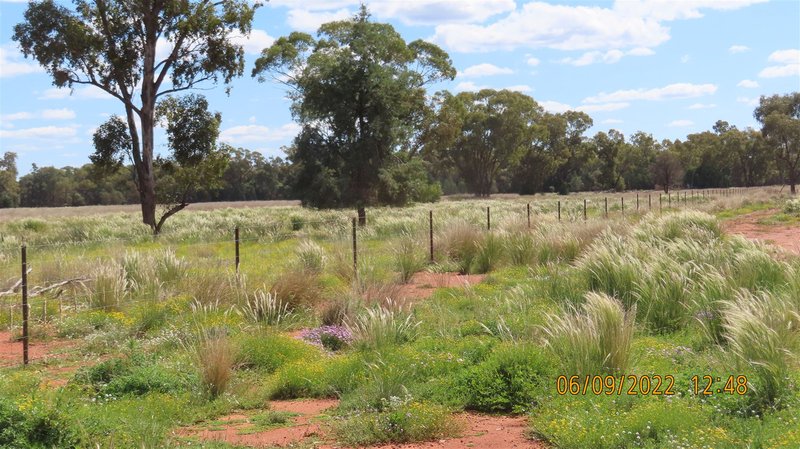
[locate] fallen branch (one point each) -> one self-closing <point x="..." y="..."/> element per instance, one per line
<point x="40" y="290"/>
<point x="35" y="291"/>
<point x="13" y="288"/>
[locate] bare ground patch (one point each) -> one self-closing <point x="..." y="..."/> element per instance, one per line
<point x="784" y="236"/>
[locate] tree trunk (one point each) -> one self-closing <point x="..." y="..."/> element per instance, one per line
<point x="362" y="216"/>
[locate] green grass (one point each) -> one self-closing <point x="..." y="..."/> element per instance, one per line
<point x="644" y="294"/>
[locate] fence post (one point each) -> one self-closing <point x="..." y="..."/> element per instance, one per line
<point x="622" y="202"/>
<point x="430" y="225"/>
<point x="606" y="209"/>
<point x="660" y="203"/>
<point x="584" y="209"/>
<point x="649" y="201"/>
<point x="355" y="250"/>
<point x="529" y="215"/>
<point x="637" y="202"/>
<point x="669" y="199"/>
<point x="25" y="335"/>
<point x="559" y="210"/>
<point x="488" y="219"/>
<point x="236" y="244"/>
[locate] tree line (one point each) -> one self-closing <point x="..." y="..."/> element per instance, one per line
<point x="370" y="134"/>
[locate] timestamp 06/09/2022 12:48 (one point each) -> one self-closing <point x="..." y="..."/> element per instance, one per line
<point x="655" y="385"/>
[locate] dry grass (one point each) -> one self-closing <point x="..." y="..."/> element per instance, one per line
<point x="216" y="357"/>
<point x="83" y="211"/>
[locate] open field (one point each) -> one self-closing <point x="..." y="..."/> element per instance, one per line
<point x="657" y="328"/>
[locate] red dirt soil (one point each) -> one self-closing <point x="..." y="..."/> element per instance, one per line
<point x="303" y="426"/>
<point x="784" y="236"/>
<point x="423" y="284"/>
<point x="481" y="431"/>
<point x="11" y="351"/>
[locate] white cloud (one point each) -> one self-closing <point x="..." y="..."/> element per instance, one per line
<point x="685" y="59"/>
<point x="608" y="57"/>
<point x="748" y="101"/>
<point x="789" y="61"/>
<point x="254" y="43"/>
<point x="480" y="70"/>
<point x="737" y="49"/>
<point x="519" y="88"/>
<point x="557" y="107"/>
<point x="627" y="24"/>
<point x="670" y="92"/>
<point x="469" y="86"/>
<point x="16" y="116"/>
<point x="605" y="107"/>
<point x="58" y="114"/>
<point x="680" y="123"/>
<point x="306" y="20"/>
<point x="43" y="133"/>
<point x="256" y="133"/>
<point x="554" y="106"/>
<point x="533" y="62"/>
<point x="12" y="63"/>
<point x="748" y="84"/>
<point x="47" y="114"/>
<point x="414" y="12"/>
<point x="702" y="106"/>
<point x="434" y="12"/>
<point x="612" y="121"/>
<point x="791" y="56"/>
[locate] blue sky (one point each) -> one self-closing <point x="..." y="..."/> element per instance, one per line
<point x="669" y="68"/>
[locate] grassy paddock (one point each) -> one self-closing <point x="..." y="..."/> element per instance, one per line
<point x="153" y="334"/>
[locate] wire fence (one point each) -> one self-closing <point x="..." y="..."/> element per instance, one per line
<point x="45" y="283"/>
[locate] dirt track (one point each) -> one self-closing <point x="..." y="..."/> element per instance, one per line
<point x="784" y="236"/>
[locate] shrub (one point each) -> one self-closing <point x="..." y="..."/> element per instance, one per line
<point x="302" y="378"/>
<point x="40" y="425"/>
<point x="792" y="206"/>
<point x="509" y="381"/>
<point x="401" y="421"/>
<point x="593" y="339"/>
<point x="269" y="351"/>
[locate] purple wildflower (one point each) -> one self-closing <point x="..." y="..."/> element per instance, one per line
<point x="332" y="338"/>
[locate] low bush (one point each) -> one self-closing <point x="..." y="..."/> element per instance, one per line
<point x="269" y="351"/>
<point x="510" y="380"/>
<point x="400" y="421"/>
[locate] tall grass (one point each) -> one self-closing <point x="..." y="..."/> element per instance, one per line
<point x="381" y="326"/>
<point x="595" y="338"/>
<point x="763" y="332"/>
<point x="311" y="257"/>
<point x="265" y="308"/>
<point x="110" y="287"/>
<point x="216" y="357"/>
<point x="409" y="257"/>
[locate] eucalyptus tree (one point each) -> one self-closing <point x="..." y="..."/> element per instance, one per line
<point x="779" y="116"/>
<point x="358" y="92"/>
<point x="482" y="132"/>
<point x="114" y="45"/>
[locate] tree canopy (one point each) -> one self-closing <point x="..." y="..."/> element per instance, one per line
<point x="358" y="91"/>
<point x="112" y="45"/>
<point x="779" y="116"/>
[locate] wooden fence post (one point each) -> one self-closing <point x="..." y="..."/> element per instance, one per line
<point x="25" y="333"/>
<point x="430" y="222"/>
<point x="236" y="244"/>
